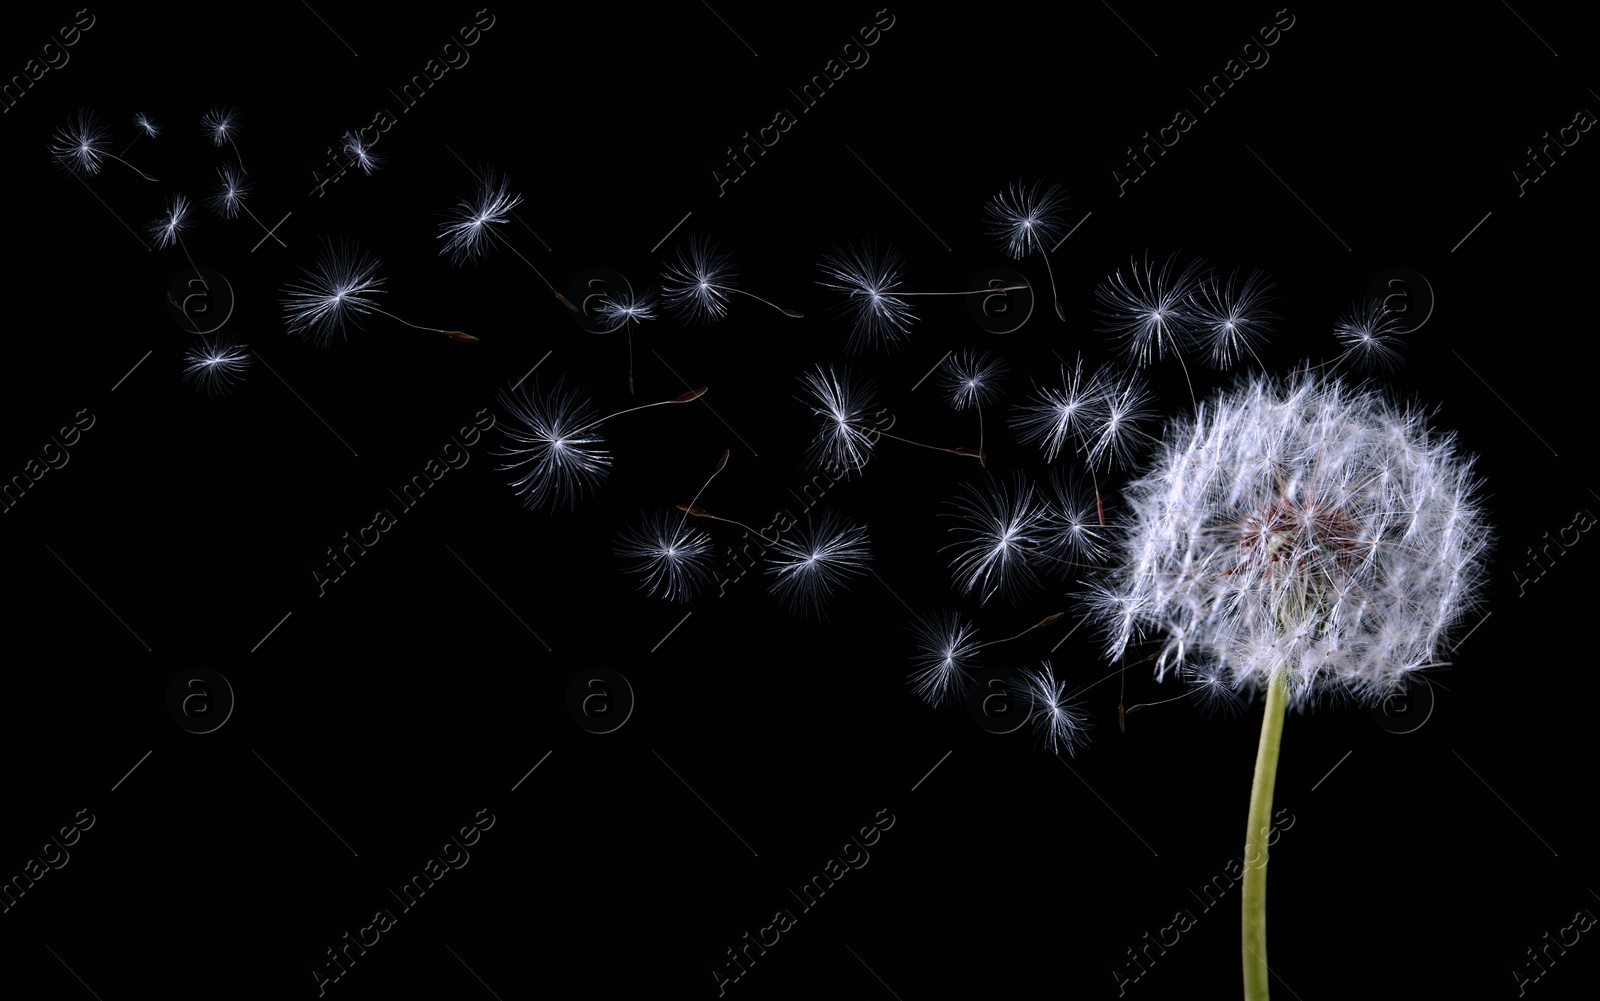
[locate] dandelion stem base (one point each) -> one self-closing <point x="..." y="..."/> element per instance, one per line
<point x="1254" y="896"/>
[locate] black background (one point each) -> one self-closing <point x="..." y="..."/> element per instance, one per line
<point x="425" y="682"/>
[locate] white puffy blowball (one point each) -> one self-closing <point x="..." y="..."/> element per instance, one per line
<point x="1298" y="527"/>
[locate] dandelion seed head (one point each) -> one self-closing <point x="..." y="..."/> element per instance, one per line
<point x="142" y="122"/>
<point x="1302" y="528"/>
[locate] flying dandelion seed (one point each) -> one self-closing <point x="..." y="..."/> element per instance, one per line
<point x="468" y="229"/>
<point x="946" y="654"/>
<point x="620" y="309"/>
<point x="1002" y="531"/>
<point x="972" y="379"/>
<point x="946" y="657"/>
<point x="340" y="289"/>
<point x="843" y="438"/>
<point x="558" y="452"/>
<point x="1232" y="319"/>
<point x="699" y="281"/>
<point x="1056" y="417"/>
<point x="83" y="143"/>
<point x="868" y="278"/>
<point x="169" y="229"/>
<point x="1369" y="333"/>
<point x="229" y="199"/>
<point x="674" y="560"/>
<point x="1074" y="532"/>
<point x="1212" y="692"/>
<point x="361" y="155"/>
<point x="213" y="367"/>
<point x="1114" y="429"/>
<point x="819" y="559"/>
<point x="875" y="298"/>
<point x="166" y="230"/>
<point x="841" y="406"/>
<point x="221" y="126"/>
<point x="626" y="309"/>
<point x="1026" y="220"/>
<point x="1059" y="720"/>
<point x="144" y="127"/>
<point x="1151" y="310"/>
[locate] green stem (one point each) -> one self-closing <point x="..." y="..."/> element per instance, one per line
<point x="1254" y="900"/>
